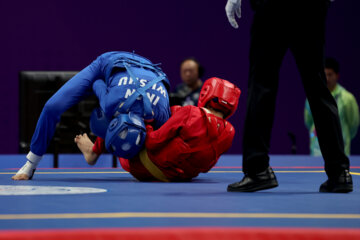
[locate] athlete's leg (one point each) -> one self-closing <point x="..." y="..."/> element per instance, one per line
<point x="71" y="93"/>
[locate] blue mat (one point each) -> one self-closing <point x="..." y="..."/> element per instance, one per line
<point x="202" y="202"/>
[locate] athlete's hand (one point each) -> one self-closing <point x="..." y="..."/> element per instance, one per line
<point x="232" y="7"/>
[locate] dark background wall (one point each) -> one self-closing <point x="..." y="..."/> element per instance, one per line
<point x="68" y="35"/>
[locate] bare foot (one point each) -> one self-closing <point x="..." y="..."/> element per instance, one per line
<point x="21" y="176"/>
<point x="85" y="145"/>
<point x="26" y="172"/>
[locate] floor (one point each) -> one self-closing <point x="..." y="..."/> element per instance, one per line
<point x="76" y="197"/>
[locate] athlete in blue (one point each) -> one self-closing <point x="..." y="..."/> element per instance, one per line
<point x="131" y="90"/>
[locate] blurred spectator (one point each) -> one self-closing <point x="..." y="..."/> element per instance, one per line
<point x="187" y="92"/>
<point x="347" y="108"/>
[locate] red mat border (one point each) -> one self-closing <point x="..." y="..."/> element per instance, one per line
<point x="184" y="233"/>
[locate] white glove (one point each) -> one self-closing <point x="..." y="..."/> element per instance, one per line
<point x="232" y="7"/>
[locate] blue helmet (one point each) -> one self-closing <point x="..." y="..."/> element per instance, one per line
<point x="125" y="135"/>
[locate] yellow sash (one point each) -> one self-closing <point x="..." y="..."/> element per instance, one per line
<point x="151" y="167"/>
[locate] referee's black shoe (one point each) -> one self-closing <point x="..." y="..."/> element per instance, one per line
<point x="341" y="184"/>
<point x="252" y="183"/>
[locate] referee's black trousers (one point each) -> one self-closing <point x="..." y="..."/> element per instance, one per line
<point x="297" y="25"/>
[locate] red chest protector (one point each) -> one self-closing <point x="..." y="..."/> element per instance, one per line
<point x="181" y="160"/>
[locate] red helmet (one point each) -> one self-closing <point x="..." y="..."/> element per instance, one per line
<point x="221" y="95"/>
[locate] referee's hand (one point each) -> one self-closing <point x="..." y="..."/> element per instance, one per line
<point x="233" y="7"/>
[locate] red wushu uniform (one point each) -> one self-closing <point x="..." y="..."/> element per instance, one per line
<point x="189" y="143"/>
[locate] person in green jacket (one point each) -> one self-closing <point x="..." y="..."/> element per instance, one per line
<point x="347" y="107"/>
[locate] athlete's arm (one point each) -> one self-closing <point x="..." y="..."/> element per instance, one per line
<point x="352" y="115"/>
<point x="309" y="121"/>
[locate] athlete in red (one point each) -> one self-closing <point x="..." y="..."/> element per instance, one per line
<point x="189" y="143"/>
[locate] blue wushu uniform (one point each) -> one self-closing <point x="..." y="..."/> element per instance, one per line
<point x="112" y="83"/>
